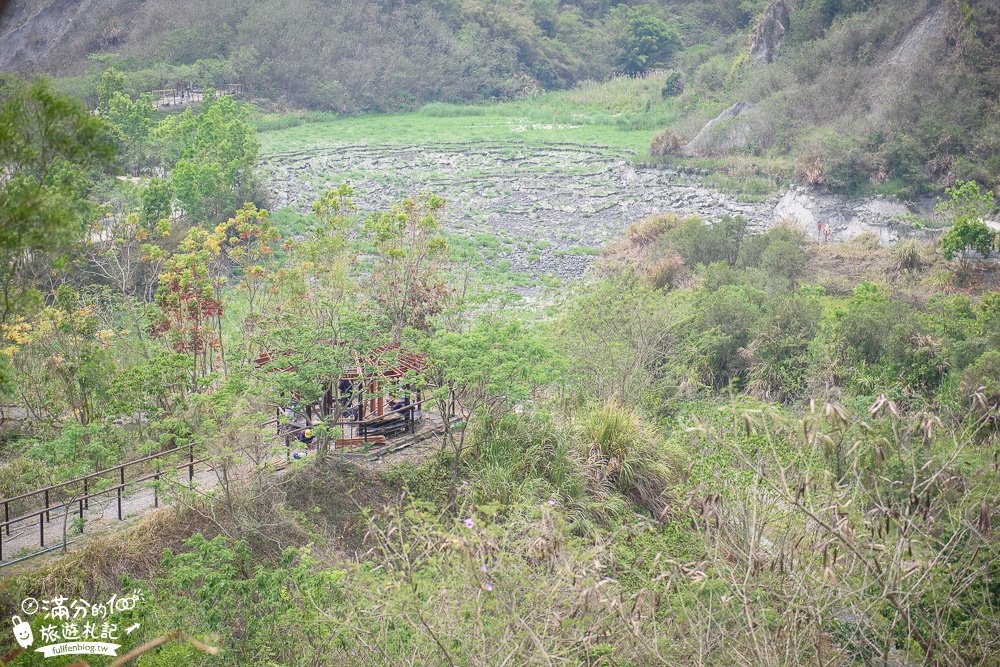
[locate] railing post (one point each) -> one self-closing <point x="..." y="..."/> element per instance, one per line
<point x="6" y="515"/>
<point x="191" y="463"/>
<point x="41" y="529"/>
<point x="86" y="494"/>
<point x="156" y="488"/>
<point x="121" y="490"/>
<point x="46" y="505"/>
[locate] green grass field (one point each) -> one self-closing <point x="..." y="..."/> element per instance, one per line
<point x="622" y="115"/>
<point x="420" y="128"/>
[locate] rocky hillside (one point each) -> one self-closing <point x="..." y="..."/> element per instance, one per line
<point x="887" y="96"/>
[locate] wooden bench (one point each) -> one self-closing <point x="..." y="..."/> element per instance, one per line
<point x="359" y="442"/>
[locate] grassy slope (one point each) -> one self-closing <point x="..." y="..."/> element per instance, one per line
<point x="507" y="123"/>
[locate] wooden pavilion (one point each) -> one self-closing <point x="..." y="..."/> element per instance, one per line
<point x="376" y="397"/>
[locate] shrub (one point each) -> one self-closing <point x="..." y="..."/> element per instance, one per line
<point x="862" y="328"/>
<point x="630" y="455"/>
<point x="980" y="388"/>
<point x="835" y="161"/>
<point x="647" y="42"/>
<point x="965" y="207"/>
<point x="778" y="356"/>
<point x="726" y="324"/>
<point x="778" y="253"/>
<point x="907" y="255"/>
<point x="673" y="86"/>
<point x="965" y="238"/>
<point x="665" y="142"/>
<point x="987" y="313"/>
<point x="917" y="356"/>
<point x="699" y="243"/>
<point x="649" y="229"/>
<point x="785" y="261"/>
<point x="665" y="271"/>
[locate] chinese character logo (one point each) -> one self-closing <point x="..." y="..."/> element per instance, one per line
<point x="75" y="626"/>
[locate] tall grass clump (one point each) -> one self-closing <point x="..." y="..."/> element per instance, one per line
<point x="535" y="457"/>
<point x="627" y="453"/>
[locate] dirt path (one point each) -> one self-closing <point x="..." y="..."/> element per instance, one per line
<point x="26" y="538"/>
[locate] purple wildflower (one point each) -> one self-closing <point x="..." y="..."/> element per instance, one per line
<point x="488" y="586"/>
<point x="482" y="568"/>
<point x="552" y="502"/>
<point x="469" y="523"/>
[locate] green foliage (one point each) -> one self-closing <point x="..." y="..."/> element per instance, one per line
<point x="132" y="121"/>
<point x="648" y="42"/>
<point x="50" y="151"/>
<point x="673" y="86"/>
<point x="409" y="280"/>
<point x="727" y="320"/>
<point x="700" y="243"/>
<point x="110" y="85"/>
<point x="611" y="334"/>
<point x="216" y="151"/>
<point x="868" y="317"/>
<point x="637" y="461"/>
<point x="218" y="591"/>
<point x="780" y="356"/>
<point x="156" y="200"/>
<point x="494" y="365"/>
<point x="966" y="237"/>
<point x="966" y="207"/>
<point x="778" y="253"/>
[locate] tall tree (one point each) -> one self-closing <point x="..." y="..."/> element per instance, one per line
<point x="409" y="280"/>
<point x="51" y="149"/>
<point x="216" y="150"/>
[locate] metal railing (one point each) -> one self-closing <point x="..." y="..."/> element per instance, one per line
<point x="84" y="490"/>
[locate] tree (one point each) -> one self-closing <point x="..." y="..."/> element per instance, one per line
<point x="614" y="334"/>
<point x="965" y="238"/>
<point x="249" y="241"/>
<point x="156" y="199"/>
<point x="191" y="310"/>
<point x="966" y="207"/>
<point x="132" y="121"/>
<point x="216" y="150"/>
<point x="50" y="151"/>
<point x="647" y="42"/>
<point x="66" y="348"/>
<point x="111" y="83"/>
<point x="483" y="373"/>
<point x="408" y="281"/>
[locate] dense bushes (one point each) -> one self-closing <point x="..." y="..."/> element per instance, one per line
<point x="741" y="319"/>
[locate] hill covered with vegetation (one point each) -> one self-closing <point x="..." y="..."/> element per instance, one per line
<point x="376" y="55"/>
<point x="856" y="96"/>
<point x="893" y="97"/>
